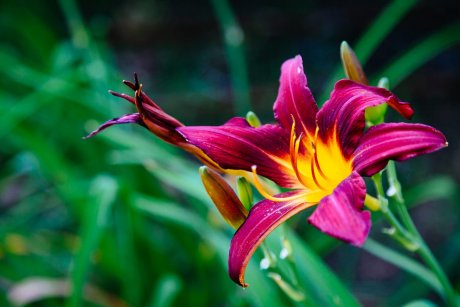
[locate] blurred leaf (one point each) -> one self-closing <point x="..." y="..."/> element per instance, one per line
<point x="421" y="53"/>
<point x="404" y="263"/>
<point x="125" y="218"/>
<point x="439" y="187"/>
<point x="102" y="192"/>
<point x="171" y="212"/>
<point x="165" y="291"/>
<point x="420" y="303"/>
<point x="372" y="37"/>
<point x="233" y="37"/>
<point x="321" y="285"/>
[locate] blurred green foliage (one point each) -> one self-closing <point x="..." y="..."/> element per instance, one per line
<point x="122" y="219"/>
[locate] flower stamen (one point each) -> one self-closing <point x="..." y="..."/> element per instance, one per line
<point x="313" y="174"/>
<point x="294" y="145"/>
<point x="295" y="160"/>
<point x="267" y="195"/>
<point x="314" y="162"/>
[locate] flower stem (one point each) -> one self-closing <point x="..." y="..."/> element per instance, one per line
<point x="291" y="288"/>
<point x="398" y="232"/>
<point x="423" y="250"/>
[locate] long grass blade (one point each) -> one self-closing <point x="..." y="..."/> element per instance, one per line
<point x="421" y="53"/>
<point x="404" y="263"/>
<point x="372" y="38"/>
<point x="234" y="44"/>
<point x="102" y="192"/>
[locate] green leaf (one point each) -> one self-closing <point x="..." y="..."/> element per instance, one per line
<point x="166" y="290"/>
<point x="420" y="303"/>
<point x="404" y="263"/>
<point x="170" y="212"/>
<point x="372" y="38"/>
<point x="102" y="193"/>
<point x="421" y="53"/>
<point x="234" y="39"/>
<point x="321" y="284"/>
<point x="440" y="187"/>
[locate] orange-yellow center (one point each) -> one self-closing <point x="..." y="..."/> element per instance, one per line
<point x="318" y="164"/>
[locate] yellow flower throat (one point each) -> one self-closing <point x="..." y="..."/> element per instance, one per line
<point x="318" y="165"/>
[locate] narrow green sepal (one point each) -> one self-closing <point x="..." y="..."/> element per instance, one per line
<point x="244" y="192"/>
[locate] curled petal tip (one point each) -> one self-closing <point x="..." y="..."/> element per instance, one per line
<point x="125" y="119"/>
<point x="403" y="108"/>
<point x="395" y="141"/>
<point x="130" y="85"/>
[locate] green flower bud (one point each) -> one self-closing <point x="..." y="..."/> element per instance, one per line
<point x="253" y="120"/>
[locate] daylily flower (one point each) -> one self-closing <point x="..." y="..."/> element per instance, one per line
<point x="320" y="155"/>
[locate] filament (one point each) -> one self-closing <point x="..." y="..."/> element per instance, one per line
<point x="267" y="195"/>
<point x="316" y="161"/>
<point x="295" y="161"/>
<point x="294" y="145"/>
<point x="312" y="167"/>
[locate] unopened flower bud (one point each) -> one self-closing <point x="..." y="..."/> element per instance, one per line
<point x="353" y="69"/>
<point x="252" y="119"/>
<point x="223" y="197"/>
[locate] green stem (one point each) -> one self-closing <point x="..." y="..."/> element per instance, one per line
<point x="423" y="250"/>
<point x="291" y="288"/>
<point x="287" y="250"/>
<point x="400" y="233"/>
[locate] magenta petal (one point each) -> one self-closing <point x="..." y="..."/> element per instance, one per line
<point x="340" y="214"/>
<point x="343" y="113"/>
<point x="262" y="219"/>
<point x="238" y="146"/>
<point x="295" y="98"/>
<point x="125" y="119"/>
<point x="394" y="141"/>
